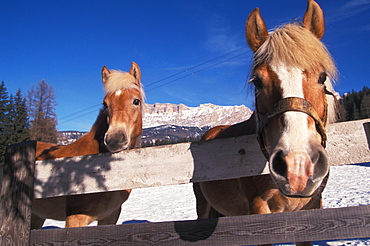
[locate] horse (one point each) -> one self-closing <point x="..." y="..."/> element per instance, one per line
<point x="118" y="127"/>
<point x="292" y="75"/>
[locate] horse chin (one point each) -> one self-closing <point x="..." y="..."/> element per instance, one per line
<point x="117" y="148"/>
<point x="299" y="174"/>
<point x="307" y="193"/>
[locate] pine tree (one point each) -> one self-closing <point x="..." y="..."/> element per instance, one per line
<point x="342" y="111"/>
<point x="356" y="114"/>
<point x="20" y="120"/>
<point x="41" y="102"/>
<point x="5" y="120"/>
<point x="365" y="106"/>
<point x="356" y="105"/>
<point x="9" y="128"/>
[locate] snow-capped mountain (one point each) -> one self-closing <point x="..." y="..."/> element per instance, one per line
<point x="67" y="137"/>
<point x="204" y="115"/>
<point x="172" y="122"/>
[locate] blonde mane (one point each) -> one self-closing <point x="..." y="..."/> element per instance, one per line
<point x="296" y="46"/>
<point x="119" y="80"/>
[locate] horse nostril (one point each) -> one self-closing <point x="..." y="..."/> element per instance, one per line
<point x="320" y="160"/>
<point x="116" y="141"/>
<point x="278" y="164"/>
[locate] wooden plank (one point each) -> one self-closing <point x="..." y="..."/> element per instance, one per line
<point x="16" y="194"/>
<point x="1" y="175"/>
<point x="178" y="164"/>
<point x="367" y="131"/>
<point x="146" y="167"/>
<point x="347" y="143"/>
<point x="314" y="225"/>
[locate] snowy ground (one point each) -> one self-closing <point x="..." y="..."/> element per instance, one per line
<point x="348" y="185"/>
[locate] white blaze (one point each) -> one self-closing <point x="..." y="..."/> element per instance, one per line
<point x="296" y="126"/>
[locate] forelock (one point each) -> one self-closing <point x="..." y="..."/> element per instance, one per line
<point x="118" y="80"/>
<point x="296" y="46"/>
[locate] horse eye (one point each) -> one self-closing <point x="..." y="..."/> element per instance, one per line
<point x="322" y="78"/>
<point x="257" y="81"/>
<point x="105" y="105"/>
<point x="136" y="101"/>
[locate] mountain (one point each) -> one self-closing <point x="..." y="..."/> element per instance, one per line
<point x="204" y="115"/>
<point x="177" y="122"/>
<point x="168" y="134"/>
<point x="67" y="137"/>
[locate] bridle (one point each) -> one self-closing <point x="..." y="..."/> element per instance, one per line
<point x="292" y="104"/>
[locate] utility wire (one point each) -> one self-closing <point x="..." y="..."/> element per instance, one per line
<point x="198" y="71"/>
<point x="193" y="67"/>
<point x="168" y="77"/>
<point x="82" y="110"/>
<point x="79" y="116"/>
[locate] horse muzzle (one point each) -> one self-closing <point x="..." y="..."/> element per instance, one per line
<point x="299" y="173"/>
<point x="116" y="140"/>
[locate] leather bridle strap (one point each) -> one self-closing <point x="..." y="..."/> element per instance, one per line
<point x="291" y="104"/>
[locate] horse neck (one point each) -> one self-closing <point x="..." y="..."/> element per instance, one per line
<point x="97" y="132"/>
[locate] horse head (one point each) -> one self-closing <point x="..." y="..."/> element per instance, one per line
<point x="291" y="72"/>
<point x="123" y="106"/>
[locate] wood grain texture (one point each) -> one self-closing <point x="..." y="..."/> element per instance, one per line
<point x="177" y="164"/>
<point x="147" y="167"/>
<point x="367" y="132"/>
<point x="313" y="225"/>
<point x="16" y="194"/>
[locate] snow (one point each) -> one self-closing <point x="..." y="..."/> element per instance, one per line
<point x="348" y="185"/>
<point x="203" y="115"/>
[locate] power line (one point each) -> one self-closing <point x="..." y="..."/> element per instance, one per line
<point x="168" y="77"/>
<point x="79" y="116"/>
<point x="193" y="67"/>
<point x="198" y="71"/>
<point x="82" y="110"/>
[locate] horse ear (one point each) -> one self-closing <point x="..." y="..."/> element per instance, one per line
<point x="255" y="30"/>
<point x="104" y="74"/>
<point x="135" y="71"/>
<point x="313" y="19"/>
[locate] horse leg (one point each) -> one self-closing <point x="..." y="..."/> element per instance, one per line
<point x="202" y="205"/>
<point x="111" y="219"/>
<point x="78" y="220"/>
<point x="79" y="210"/>
<point x="273" y="202"/>
<point x="36" y="222"/>
<point x="226" y="197"/>
<point x="315" y="203"/>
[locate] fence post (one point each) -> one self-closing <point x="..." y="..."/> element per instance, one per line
<point x="367" y="131"/>
<point x="17" y="193"/>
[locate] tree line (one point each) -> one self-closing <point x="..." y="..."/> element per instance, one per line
<point x="355" y="105"/>
<point x="27" y="118"/>
<point x="160" y="142"/>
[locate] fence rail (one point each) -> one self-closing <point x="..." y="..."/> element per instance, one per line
<point x="326" y="224"/>
<point x="176" y="164"/>
<point x="180" y="163"/>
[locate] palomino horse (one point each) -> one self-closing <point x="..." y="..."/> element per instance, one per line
<point x="118" y="127"/>
<point x="290" y="73"/>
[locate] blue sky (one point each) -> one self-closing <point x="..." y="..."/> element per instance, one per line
<point x="67" y="43"/>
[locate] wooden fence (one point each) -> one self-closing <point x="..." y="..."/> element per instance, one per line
<point x="24" y="178"/>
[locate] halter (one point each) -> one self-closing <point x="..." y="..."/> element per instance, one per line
<point x="292" y="104"/>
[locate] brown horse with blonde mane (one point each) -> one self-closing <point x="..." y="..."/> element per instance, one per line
<point x="117" y="127"/>
<point x="291" y="74"/>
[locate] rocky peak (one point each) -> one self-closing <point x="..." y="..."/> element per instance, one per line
<point x="204" y="115"/>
